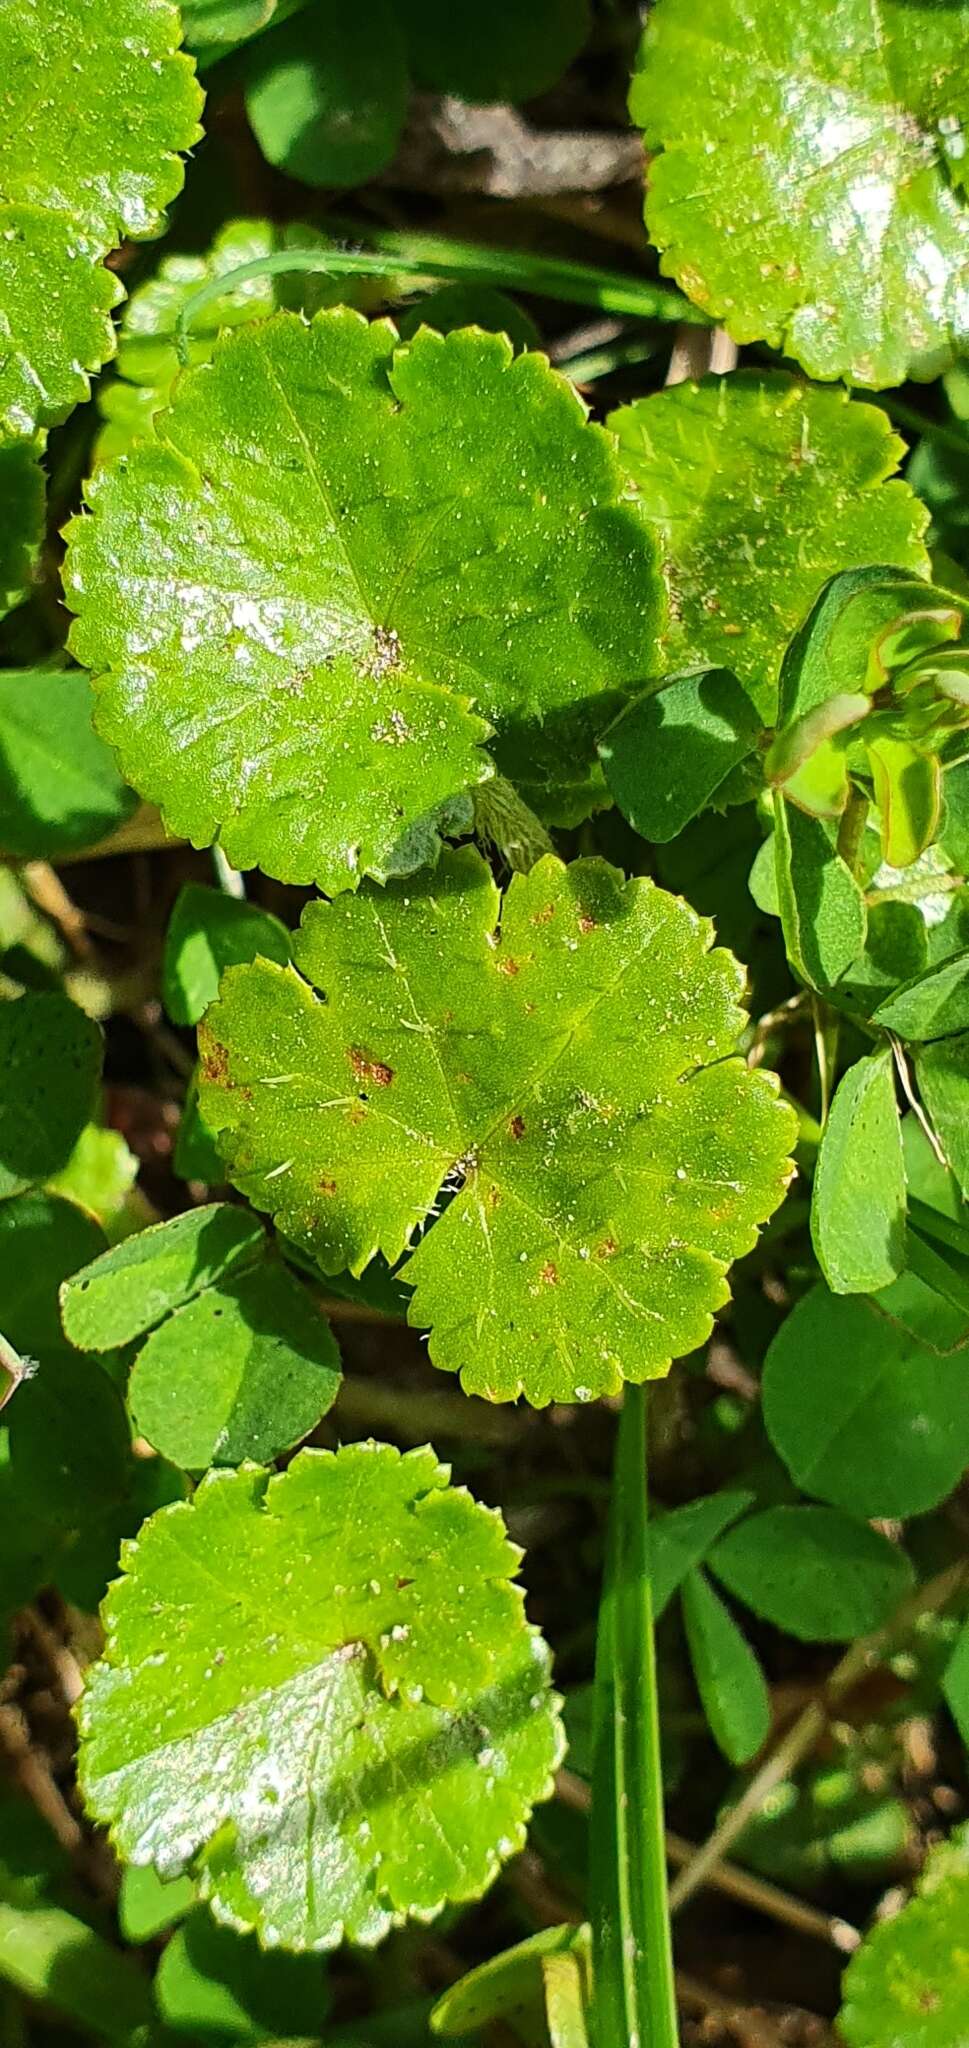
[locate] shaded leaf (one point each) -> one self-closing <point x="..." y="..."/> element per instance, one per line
<point x="245" y="1370"/>
<point x="348" y="1720"/>
<point x="213" y="1981"/>
<point x="840" y="1376"/>
<point x="50" y="1060"/>
<point x="147" y="1907"/>
<point x="679" y="1541"/>
<point x="814" y="1572"/>
<point x="52" y="1956"/>
<point x="729" y="1678"/>
<point x="21" y="518"/>
<point x="207" y="932"/>
<point x="343" y="577"/>
<point x="934" y="1005"/>
<point x="522" y="53"/>
<point x="666" y="755"/>
<point x="858" y="1200"/>
<point x="43" y="1240"/>
<point x="837" y="165"/>
<point x="76" y="181"/>
<point x="943" y="1078"/>
<point x="59" y="785"/>
<point x="131" y="1287"/>
<point x="760" y="489"/>
<point x="821" y="906"/>
<point x="597" y="1199"/>
<point x="323" y="64"/>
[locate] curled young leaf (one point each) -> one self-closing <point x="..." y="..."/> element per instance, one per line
<point x="320" y="1691"/>
<point x="558" y="1064"/>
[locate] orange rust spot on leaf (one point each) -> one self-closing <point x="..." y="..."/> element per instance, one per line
<point x="550" y="1274"/>
<point x="215" y="1063"/>
<point x="517" y="1127"/>
<point x="587" y="923"/>
<point x="367" y="1069"/>
<point x="607" y="1249"/>
<point x="507" y="965"/>
<point x="326" y="1185"/>
<point x="543" y="916"/>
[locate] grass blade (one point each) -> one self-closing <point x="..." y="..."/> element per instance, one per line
<point x="633" y="1993"/>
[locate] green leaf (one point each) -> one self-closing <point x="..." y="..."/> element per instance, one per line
<point x="76" y="180"/>
<point x="908" y="792"/>
<point x="523" y="52"/>
<point x="666" y="755"/>
<point x="70" y="1441"/>
<point x="943" y="1078"/>
<point x="131" y="1287"/>
<point x="821" y="906"/>
<point x="43" y="1240"/>
<point x="245" y="1370"/>
<point x="799" y="176"/>
<point x="679" y="1541"/>
<point x="217" y="25"/>
<point x="504" y="1987"/>
<point x="858" y="1200"/>
<point x="934" y="1005"/>
<point x="632" y="1965"/>
<point x="99" y="1175"/>
<point x="729" y="1678"/>
<point x="21" y="518"/>
<point x="52" y="1956"/>
<point x="147" y="1907"/>
<point x="466" y="304"/>
<point x="319" y="1690"/>
<point x="59" y="786"/>
<point x="342" y="575"/>
<point x="955" y="1684"/>
<point x="597" y="1198"/>
<point x="800" y="475"/>
<point x="50" y="1060"/>
<point x="213" y="1981"/>
<point x="327" y="92"/>
<point x="839" y="1375"/>
<point x="908" y="1984"/>
<point x="208" y="932"/>
<point x="147" y="363"/>
<point x="818" y="1574"/>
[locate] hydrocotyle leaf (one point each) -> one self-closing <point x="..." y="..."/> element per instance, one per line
<point x="760" y="488"/>
<point x="559" y="1064"/>
<point x="59" y="784"/>
<point x="814" y="1572"/>
<point x="804" y="166"/>
<point x="862" y="1414"/>
<point x="359" y="538"/>
<point x="50" y="1060"/>
<point x="729" y="1678"/>
<point x="667" y="754"/>
<point x="320" y="1691"/>
<point x="908" y="1984"/>
<point x="858" y="1200"/>
<point x="76" y="181"/>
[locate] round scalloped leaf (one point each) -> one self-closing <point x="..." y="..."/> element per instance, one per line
<point x="104" y="102"/>
<point x="805" y="186"/>
<point x="908" y="1985"/>
<point x="798" y="474"/>
<point x="21" y="518"/>
<point x="336" y="544"/>
<point x="320" y="1691"/>
<point x="565" y="1076"/>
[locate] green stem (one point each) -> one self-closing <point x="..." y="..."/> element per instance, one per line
<point x="433" y="256"/>
<point x="634" y="1995"/>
